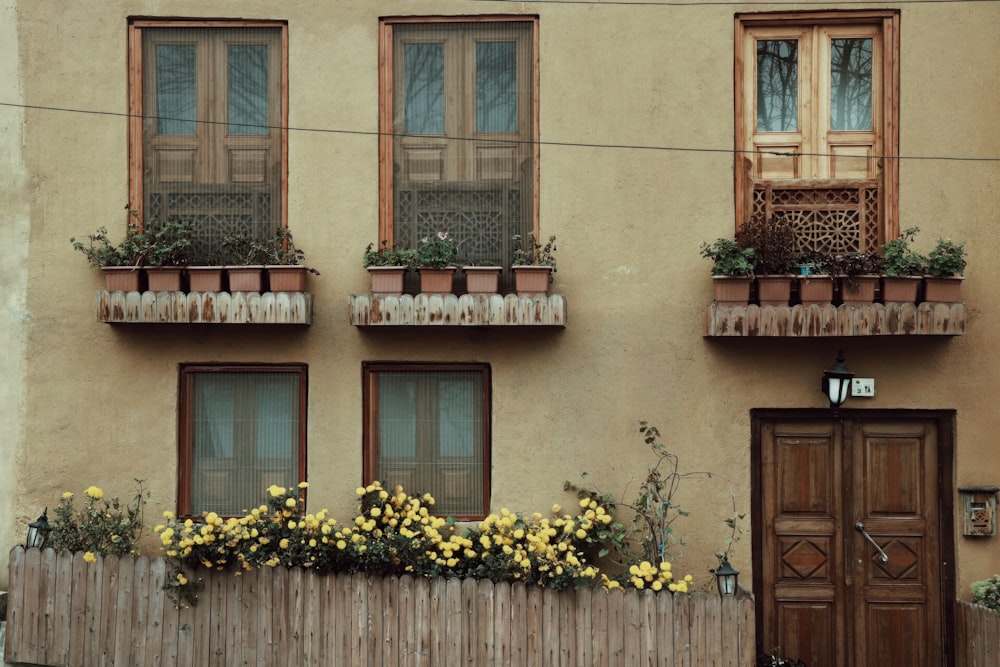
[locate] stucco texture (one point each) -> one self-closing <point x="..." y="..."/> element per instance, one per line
<point x="621" y="89"/>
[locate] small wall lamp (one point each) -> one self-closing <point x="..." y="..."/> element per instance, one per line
<point x="727" y="577"/>
<point x="38" y="531"/>
<point x="837" y="382"/>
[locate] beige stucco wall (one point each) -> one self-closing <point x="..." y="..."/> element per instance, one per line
<point x="100" y="403"/>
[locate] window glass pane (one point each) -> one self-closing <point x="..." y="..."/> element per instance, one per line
<point x="424" y="82"/>
<point x="430" y="436"/>
<point x="245" y="438"/>
<point x="496" y="87"/>
<point x="851" y="84"/>
<point x="248" y="88"/>
<point x="777" y="85"/>
<point x="175" y="89"/>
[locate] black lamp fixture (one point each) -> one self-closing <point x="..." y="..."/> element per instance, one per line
<point x="727" y="577"/>
<point x="837" y="382"/>
<point x="38" y="531"/>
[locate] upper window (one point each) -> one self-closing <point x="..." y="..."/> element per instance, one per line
<point x="207" y="141"/>
<point x="459" y="126"/>
<point x="427" y="427"/>
<point x="242" y="429"/>
<point x="816" y="126"/>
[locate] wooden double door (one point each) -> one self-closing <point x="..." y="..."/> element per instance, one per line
<point x="854" y="565"/>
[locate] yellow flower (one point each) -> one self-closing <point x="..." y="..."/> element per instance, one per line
<point x="67" y="495"/>
<point x="581" y="533"/>
<point x="90" y="557"/>
<point x="303" y="485"/>
<point x="181" y="579"/>
<point x="94" y="492"/>
<point x="276" y="491"/>
<point x="290" y="502"/>
<point x="283" y="543"/>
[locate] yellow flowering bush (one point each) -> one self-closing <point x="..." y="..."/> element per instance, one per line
<point x="394" y="533"/>
<point x="102" y="526"/>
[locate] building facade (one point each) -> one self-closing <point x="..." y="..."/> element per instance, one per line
<point x="633" y="133"/>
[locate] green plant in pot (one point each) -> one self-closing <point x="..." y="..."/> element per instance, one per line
<point x="436" y="258"/>
<point x="902" y="268"/>
<point x="284" y="262"/>
<point x="244" y="256"/>
<point x="732" y="270"/>
<point x="776" y="255"/>
<point x="387" y="266"/>
<point x="167" y="250"/>
<point x="814" y="280"/>
<point x="945" y="268"/>
<point x="120" y="262"/>
<point x="533" y="264"/>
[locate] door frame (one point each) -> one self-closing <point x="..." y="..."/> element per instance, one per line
<point x="946" y="424"/>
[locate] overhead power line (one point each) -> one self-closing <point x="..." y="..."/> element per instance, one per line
<point x="703" y="3"/>
<point x="569" y="144"/>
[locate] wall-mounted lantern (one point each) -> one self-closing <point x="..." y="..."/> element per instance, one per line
<point x="836" y="383"/>
<point x="38" y="530"/>
<point x="727" y="577"/>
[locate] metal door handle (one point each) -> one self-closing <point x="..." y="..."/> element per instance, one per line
<point x="860" y="527"/>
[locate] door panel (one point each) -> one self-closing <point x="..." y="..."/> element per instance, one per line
<point x="827" y="597"/>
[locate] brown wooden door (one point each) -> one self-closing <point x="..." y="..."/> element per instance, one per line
<point x="826" y="595"/>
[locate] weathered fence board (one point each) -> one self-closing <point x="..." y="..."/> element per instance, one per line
<point x="65" y="611"/>
<point x="977" y="635"/>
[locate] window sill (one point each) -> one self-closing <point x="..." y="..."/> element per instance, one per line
<point x="483" y="310"/>
<point x="877" y="319"/>
<point x="204" y="307"/>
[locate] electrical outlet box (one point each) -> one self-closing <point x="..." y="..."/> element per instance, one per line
<point x="864" y="387"/>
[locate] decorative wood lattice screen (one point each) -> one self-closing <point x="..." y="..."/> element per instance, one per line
<point x="830" y="216"/>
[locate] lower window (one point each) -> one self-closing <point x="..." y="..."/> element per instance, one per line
<point x="242" y="429"/>
<point x="427" y="427"/>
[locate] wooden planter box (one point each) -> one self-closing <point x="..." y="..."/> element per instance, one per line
<point x="205" y="278"/>
<point x="943" y="290"/>
<point x="774" y="290"/>
<point x="286" y="278"/>
<point x="900" y="289"/>
<point x="816" y="290"/>
<point x="245" y="278"/>
<point x="482" y="279"/>
<point x="436" y="281"/>
<point x="387" y="280"/>
<point x="164" y="278"/>
<point x="122" y="278"/>
<point x="731" y="290"/>
<point x="532" y="280"/>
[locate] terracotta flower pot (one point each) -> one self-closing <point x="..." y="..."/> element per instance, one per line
<point x="436" y="281"/>
<point x="861" y="292"/>
<point x="387" y="280"/>
<point x="774" y="290"/>
<point x="815" y="290"/>
<point x="245" y="278"/>
<point x="900" y="289"/>
<point x="164" y="278"/>
<point x="286" y="278"/>
<point x="205" y="278"/>
<point x="731" y="290"/>
<point x="943" y="289"/>
<point x="122" y="278"/>
<point x="532" y="280"/>
<point x="482" y="279"/>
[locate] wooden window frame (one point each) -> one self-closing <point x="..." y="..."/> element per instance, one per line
<point x="370" y="371"/>
<point x="185" y="427"/>
<point x="888" y="22"/>
<point x="135" y="105"/>
<point x="385" y="109"/>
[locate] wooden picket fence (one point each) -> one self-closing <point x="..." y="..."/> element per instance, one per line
<point x="977" y="635"/>
<point x="65" y="611"/>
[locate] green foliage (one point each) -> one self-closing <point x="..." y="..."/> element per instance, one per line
<point x="899" y="259"/>
<point x="529" y="252"/>
<point x="987" y="592"/>
<point x="729" y="258"/>
<point x="946" y="259"/>
<point x="437" y="252"/>
<point x="167" y="243"/>
<point x="101" y="526"/>
<point x="242" y="249"/>
<point x="651" y="537"/>
<point x="776" y="248"/>
<point x="387" y="255"/>
<point x="100" y="251"/>
<point x="280" y="250"/>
